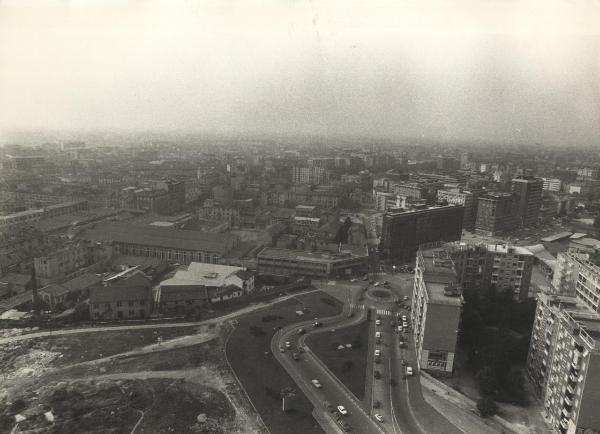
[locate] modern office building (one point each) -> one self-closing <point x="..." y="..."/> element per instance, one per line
<point x="563" y="363"/>
<point x="494" y="214"/>
<point x="405" y="230"/>
<point x="527" y="192"/>
<point x="287" y="262"/>
<point x="436" y="309"/>
<point x="313" y="175"/>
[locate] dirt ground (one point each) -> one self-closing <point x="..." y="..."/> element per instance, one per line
<point x="123" y="381"/>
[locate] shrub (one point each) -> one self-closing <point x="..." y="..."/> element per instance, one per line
<point x="487" y="406"/>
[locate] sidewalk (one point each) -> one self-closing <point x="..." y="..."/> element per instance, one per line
<point x="461" y="410"/>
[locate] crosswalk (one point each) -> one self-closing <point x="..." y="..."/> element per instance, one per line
<point x="385" y="312"/>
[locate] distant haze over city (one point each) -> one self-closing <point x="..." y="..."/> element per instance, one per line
<point x="504" y="72"/>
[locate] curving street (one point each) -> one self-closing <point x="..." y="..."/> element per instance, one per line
<point x="397" y="400"/>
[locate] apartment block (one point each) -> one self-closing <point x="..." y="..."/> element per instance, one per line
<point x="575" y="275"/>
<point x="436" y="309"/>
<point x="563" y="363"/>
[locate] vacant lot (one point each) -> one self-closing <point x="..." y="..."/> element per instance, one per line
<point x="348" y="364"/>
<point x="154" y="405"/>
<point x="248" y="351"/>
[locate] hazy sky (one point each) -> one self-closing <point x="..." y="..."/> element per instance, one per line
<point x="498" y="71"/>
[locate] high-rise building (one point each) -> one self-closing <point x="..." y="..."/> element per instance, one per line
<point x="436" y="309"/>
<point x="405" y="230"/>
<point x="575" y="275"/>
<point x="527" y="192"/>
<point x="499" y="266"/>
<point x="494" y="214"/>
<point x="552" y="184"/>
<point x="563" y="363"/>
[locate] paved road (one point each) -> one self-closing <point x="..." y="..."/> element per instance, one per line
<point x="219" y="319"/>
<point x="309" y="367"/>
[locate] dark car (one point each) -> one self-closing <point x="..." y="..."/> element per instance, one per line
<point x="317" y="324"/>
<point x="295" y="356"/>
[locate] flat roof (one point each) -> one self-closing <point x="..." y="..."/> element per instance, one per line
<point x="161" y="237"/>
<point x="438" y="274"/>
<point x="203" y="274"/>
<point x="557" y="237"/>
<point x="505" y="248"/>
<point x="301" y="255"/>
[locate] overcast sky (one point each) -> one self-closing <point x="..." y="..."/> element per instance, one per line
<point x="495" y="71"/>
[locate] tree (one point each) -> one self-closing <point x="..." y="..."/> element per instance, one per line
<point x="486" y="381"/>
<point x="487" y="406"/>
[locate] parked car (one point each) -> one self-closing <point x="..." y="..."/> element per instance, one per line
<point x="301" y="331"/>
<point x="342" y="410"/>
<point x="376" y="284"/>
<point x="288" y="345"/>
<point x="295" y="356"/>
<point x="377" y="322"/>
<point x="377" y="375"/>
<point x="378" y="417"/>
<point x="281" y="350"/>
<point x="316" y="383"/>
<point x="409" y="371"/>
<point x="377" y="353"/>
<point x="317" y="324"/>
<point x="377" y="334"/>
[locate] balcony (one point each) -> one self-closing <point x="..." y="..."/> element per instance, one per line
<point x="566" y="413"/>
<point x="568" y="402"/>
<point x="564" y="424"/>
<point x="570" y="391"/>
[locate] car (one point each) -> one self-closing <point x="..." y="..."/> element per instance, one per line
<point x="406" y="297"/>
<point x="295" y="356"/>
<point x="404" y="317"/>
<point x="377" y="353"/>
<point x="353" y="280"/>
<point x="385" y="282"/>
<point x="377" y="375"/>
<point x="376" y="284"/>
<point x="378" y="341"/>
<point x="301" y="331"/>
<point x="409" y="371"/>
<point x="377" y="334"/>
<point x="377" y="322"/>
<point x="342" y="410"/>
<point x="281" y="350"/>
<point x="378" y="417"/>
<point x="377" y="360"/>
<point x="316" y="383"/>
<point x="402" y="344"/>
<point x="317" y="324"/>
<point x="404" y="324"/>
<point x="404" y="362"/>
<point x="400" y="328"/>
<point x="288" y="345"/>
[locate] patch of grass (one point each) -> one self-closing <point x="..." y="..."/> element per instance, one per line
<point x="349" y="365"/>
<point x="261" y="374"/>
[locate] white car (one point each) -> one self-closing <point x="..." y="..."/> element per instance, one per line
<point x="342" y="410"/>
<point x="377" y="335"/>
<point x="378" y="417"/>
<point x="316" y="383"/>
<point x="409" y="371"/>
<point x="377" y="322"/>
<point x="377" y="353"/>
<point x="406" y="297"/>
<point x="288" y="345"/>
<point x="400" y="329"/>
<point x="404" y="317"/>
<point x="404" y="324"/>
<point x="376" y="284"/>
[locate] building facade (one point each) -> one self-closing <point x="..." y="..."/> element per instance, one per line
<point x="465" y="199"/>
<point x="435" y="312"/>
<point x="494" y="214"/>
<point x="527" y="192"/>
<point x="405" y="230"/>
